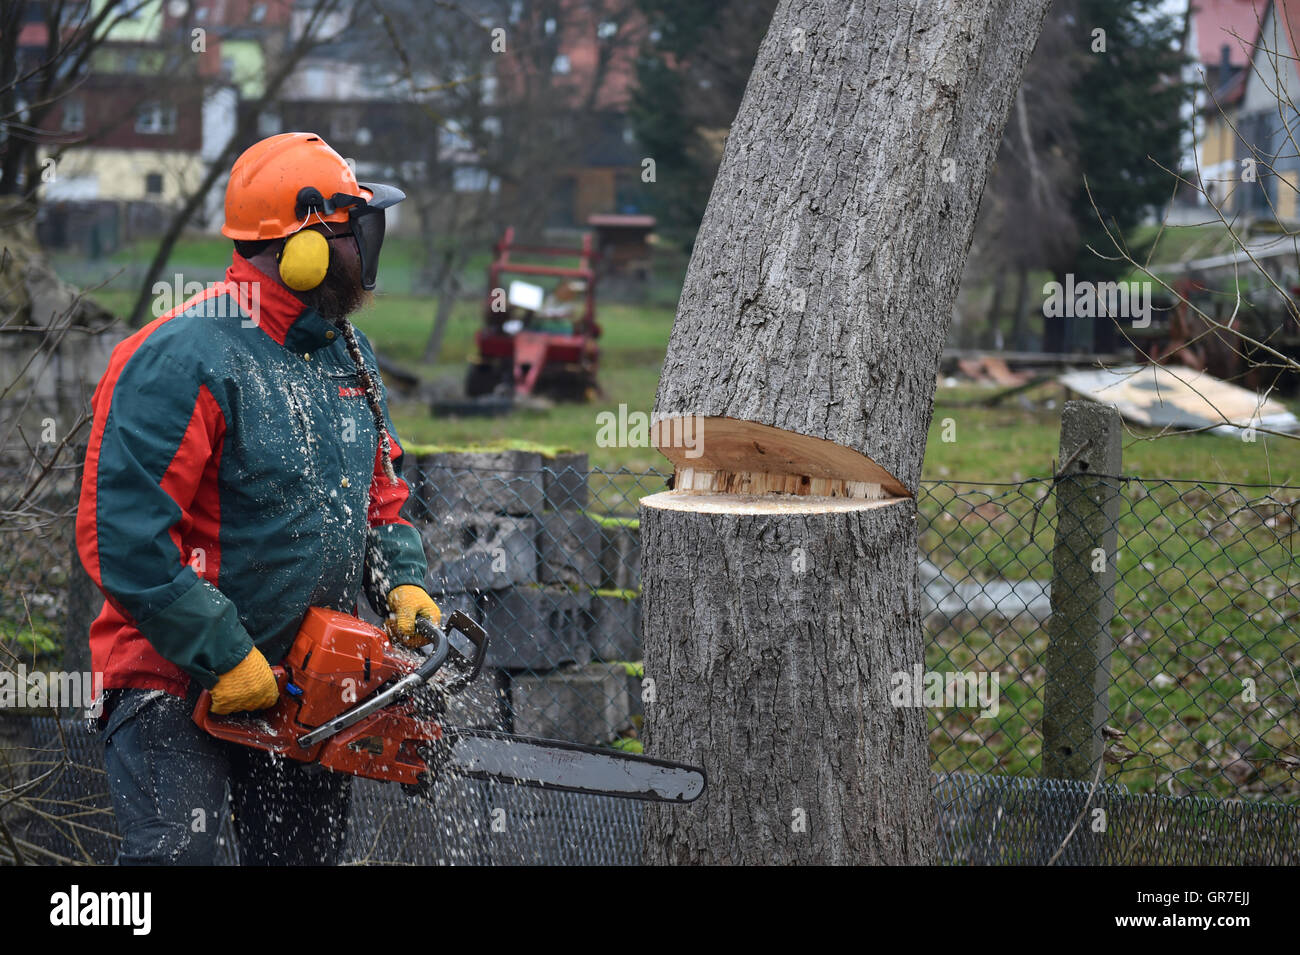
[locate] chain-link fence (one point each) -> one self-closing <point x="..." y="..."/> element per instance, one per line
<point x="36" y="546"/>
<point x="1200" y="696"/>
<point x="1190" y="697"/>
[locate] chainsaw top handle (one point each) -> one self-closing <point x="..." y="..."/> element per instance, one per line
<point x="467" y="668"/>
<point x="441" y="647"/>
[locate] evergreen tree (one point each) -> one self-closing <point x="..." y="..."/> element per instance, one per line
<point x="691" y="75"/>
<point x="1127" y="126"/>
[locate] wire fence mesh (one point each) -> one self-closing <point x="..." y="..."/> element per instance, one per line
<point x="1194" y="709"/>
<point x="64" y="816"/>
<point x="1200" y="697"/>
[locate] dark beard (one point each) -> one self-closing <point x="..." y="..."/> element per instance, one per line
<point x="339" y="293"/>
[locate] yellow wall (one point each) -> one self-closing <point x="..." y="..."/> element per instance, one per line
<point x="1218" y="143"/>
<point x="120" y="173"/>
<point x="1286" y="195"/>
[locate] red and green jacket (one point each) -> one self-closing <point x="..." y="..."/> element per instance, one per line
<point x="233" y="480"/>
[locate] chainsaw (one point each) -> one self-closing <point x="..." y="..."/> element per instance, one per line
<point x="352" y="702"/>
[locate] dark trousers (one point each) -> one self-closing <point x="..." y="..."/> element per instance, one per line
<point x="168" y="780"/>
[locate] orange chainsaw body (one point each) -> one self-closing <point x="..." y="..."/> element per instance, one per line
<point x="335" y="661"/>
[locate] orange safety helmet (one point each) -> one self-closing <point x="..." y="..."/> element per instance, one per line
<point x="262" y="194"/>
<point x="279" y="185"/>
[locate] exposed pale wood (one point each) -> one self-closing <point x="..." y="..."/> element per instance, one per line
<point x="751" y="504"/>
<point x="754" y="482"/>
<point x="729" y="444"/>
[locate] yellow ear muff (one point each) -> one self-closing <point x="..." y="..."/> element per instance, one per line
<point x="304" y="260"/>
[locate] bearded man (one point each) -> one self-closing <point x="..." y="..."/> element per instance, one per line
<point x="241" y="469"/>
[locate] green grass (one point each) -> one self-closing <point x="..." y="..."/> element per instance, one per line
<point x="1012" y="442"/>
<point x="1181" y="243"/>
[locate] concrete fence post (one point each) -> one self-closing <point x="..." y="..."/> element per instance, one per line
<point x="1075" y="697"/>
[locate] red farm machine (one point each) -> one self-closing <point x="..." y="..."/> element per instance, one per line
<point x="538" y="335"/>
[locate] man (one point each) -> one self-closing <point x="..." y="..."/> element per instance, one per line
<point x="240" y="470"/>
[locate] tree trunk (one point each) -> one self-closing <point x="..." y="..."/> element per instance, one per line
<point x="779" y="576"/>
<point x="1020" y="327"/>
<point x="447" y="290"/>
<point x="993" y="332"/>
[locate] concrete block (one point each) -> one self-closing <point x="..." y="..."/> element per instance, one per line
<point x="535" y="628"/>
<point x="581" y="704"/>
<point x="564" y="482"/>
<point x="568" y="549"/>
<point x="614" y="626"/>
<point x="499" y="482"/>
<point x="477" y="551"/>
<point x="620" y="555"/>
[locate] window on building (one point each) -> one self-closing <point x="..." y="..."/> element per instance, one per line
<point x="153" y="183"/>
<point x="315" y="78"/>
<point x="259" y="12"/>
<point x="561" y="64"/>
<point x="549" y="26"/>
<point x="74" y="115"/>
<point x="452" y="140"/>
<point x="607" y="29"/>
<point x="155" y="118"/>
<point x="469" y="179"/>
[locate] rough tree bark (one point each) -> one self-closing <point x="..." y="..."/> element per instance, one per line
<point x="779" y="576"/>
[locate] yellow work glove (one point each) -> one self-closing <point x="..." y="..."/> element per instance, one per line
<point x="405" y="603"/>
<point x="249" y="686"/>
